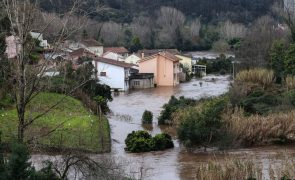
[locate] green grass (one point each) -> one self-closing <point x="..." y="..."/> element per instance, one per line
<point x="77" y="126"/>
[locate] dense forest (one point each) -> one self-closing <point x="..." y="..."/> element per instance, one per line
<point x="125" y="10"/>
<point x="187" y="25"/>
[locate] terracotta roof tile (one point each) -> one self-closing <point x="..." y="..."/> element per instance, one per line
<point x="113" y="62"/>
<point x="118" y="50"/>
<point x="91" y="42"/>
<point x="149" y="52"/>
<point x="165" y="54"/>
<point x="81" y="52"/>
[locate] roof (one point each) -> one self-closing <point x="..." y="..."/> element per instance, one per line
<point x="149" y="52"/>
<point x="91" y="42"/>
<point x="118" y="50"/>
<point x="81" y="52"/>
<point x="165" y="54"/>
<point x="113" y="62"/>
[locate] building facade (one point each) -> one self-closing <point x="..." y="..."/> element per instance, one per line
<point x="113" y="73"/>
<point x="165" y="67"/>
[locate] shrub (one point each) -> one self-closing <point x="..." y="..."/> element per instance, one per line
<point x="202" y="124"/>
<point x="259" y="102"/>
<point x="263" y="77"/>
<point x="173" y="105"/>
<point x="138" y="141"/>
<point x="161" y="142"/>
<point x="142" y="141"/>
<point x="147" y="117"/>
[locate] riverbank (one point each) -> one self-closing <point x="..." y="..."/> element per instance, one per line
<point x="69" y="126"/>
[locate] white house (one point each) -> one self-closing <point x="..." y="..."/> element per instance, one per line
<point x="132" y="59"/>
<point x="90" y="44"/>
<point x="113" y="73"/>
<point x="114" y="56"/>
<point x="39" y="36"/>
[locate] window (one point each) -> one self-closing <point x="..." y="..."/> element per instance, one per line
<point x="103" y="74"/>
<point x="136" y="83"/>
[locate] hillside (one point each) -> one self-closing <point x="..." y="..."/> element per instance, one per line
<point x="76" y="126"/>
<point x="210" y="10"/>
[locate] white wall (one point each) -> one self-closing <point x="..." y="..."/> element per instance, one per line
<point x="133" y="59"/>
<point x="114" y="56"/>
<point x="97" y="50"/>
<point x="115" y="75"/>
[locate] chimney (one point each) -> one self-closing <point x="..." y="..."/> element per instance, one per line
<point x="142" y="55"/>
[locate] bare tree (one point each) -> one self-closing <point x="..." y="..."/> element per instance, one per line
<point x="77" y="165"/>
<point x="27" y="75"/>
<point x="169" y="21"/>
<point x="111" y="33"/>
<point x="230" y="30"/>
<point x="255" y="48"/>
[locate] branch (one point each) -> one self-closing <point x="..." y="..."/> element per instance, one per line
<point x="53" y="106"/>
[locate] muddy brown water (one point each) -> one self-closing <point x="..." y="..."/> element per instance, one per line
<point x="176" y="163"/>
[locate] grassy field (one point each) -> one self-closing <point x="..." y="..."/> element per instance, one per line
<point x="76" y="127"/>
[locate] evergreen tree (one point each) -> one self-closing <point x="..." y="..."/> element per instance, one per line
<point x="136" y="45"/>
<point x="18" y="166"/>
<point x="277" y="57"/>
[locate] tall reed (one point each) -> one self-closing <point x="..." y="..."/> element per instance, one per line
<point x="260" y="130"/>
<point x="264" y="77"/>
<point x="290" y="82"/>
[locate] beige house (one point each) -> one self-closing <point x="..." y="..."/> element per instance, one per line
<point x="186" y="61"/>
<point x="164" y="66"/>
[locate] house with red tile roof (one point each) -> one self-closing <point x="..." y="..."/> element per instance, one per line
<point x="164" y="65"/>
<point x="91" y="45"/>
<point x="113" y="73"/>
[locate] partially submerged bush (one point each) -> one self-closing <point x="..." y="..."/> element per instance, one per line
<point x="142" y="141"/>
<point x="162" y="141"/>
<point x="263" y="77"/>
<point x="202" y="124"/>
<point x="147" y="117"/>
<point x="138" y="141"/>
<point x="173" y="105"/>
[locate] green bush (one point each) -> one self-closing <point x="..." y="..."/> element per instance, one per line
<point x="259" y="102"/>
<point x="173" y="105"/>
<point x="142" y="141"/>
<point x="138" y="141"/>
<point x="161" y="142"/>
<point x="204" y="125"/>
<point x="147" y="117"/>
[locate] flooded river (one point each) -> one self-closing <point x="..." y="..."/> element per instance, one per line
<point x="176" y="163"/>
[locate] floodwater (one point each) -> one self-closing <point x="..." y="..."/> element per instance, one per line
<point x="176" y="163"/>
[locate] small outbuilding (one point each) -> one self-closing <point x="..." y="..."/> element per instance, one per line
<point x="142" y="81"/>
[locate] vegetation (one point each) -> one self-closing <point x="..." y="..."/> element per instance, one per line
<point x="172" y="106"/>
<point x="237" y="168"/>
<point x="142" y="141"/>
<point x="147" y="117"/>
<point x="17" y="166"/>
<point x="68" y="125"/>
<point x="201" y="124"/>
<point x="221" y="65"/>
<point x="256" y="111"/>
